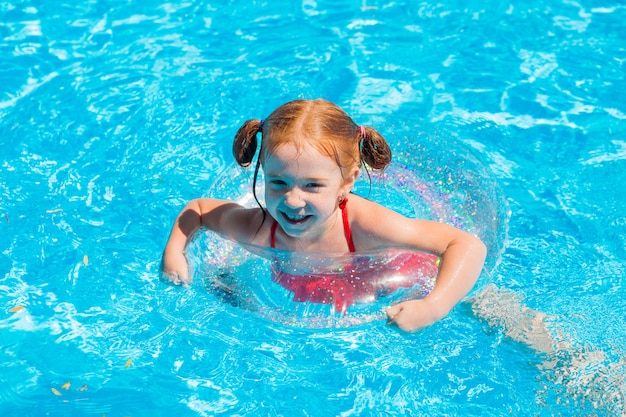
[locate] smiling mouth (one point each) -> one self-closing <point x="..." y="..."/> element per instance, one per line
<point x="295" y="218"/>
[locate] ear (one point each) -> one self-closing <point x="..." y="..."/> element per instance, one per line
<point x="349" y="181"/>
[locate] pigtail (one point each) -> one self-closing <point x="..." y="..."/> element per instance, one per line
<point x="375" y="151"/>
<point x="245" y="143"/>
<point x="244" y="149"/>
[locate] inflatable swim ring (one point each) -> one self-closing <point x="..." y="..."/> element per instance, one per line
<point x="425" y="180"/>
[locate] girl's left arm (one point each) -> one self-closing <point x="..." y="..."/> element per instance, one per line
<point x="462" y="260"/>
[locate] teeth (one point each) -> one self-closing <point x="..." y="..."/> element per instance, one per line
<point x="295" y="218"/>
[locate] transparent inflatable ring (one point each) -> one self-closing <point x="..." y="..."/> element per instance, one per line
<point x="317" y="290"/>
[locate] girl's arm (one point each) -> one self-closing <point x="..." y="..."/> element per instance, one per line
<point x="462" y="259"/>
<point x="220" y="216"/>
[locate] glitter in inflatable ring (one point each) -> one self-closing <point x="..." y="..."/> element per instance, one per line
<point x="425" y="180"/>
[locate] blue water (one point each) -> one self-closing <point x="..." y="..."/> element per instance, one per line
<point x="113" y="114"/>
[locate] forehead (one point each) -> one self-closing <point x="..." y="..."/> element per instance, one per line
<point x="301" y="159"/>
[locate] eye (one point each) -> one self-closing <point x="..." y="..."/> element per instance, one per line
<point x="277" y="183"/>
<point x="314" y="185"/>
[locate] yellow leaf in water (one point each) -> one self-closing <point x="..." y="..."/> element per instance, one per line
<point x="66" y="386"/>
<point x="128" y="362"/>
<point x="16" y="308"/>
<point x="83" y="388"/>
<point x="56" y="392"/>
<point x="86" y="260"/>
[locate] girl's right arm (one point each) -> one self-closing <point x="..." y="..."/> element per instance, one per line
<point x="218" y="215"/>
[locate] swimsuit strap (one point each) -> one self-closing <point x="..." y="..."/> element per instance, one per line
<point x="346" y="224"/>
<point x="273" y="234"/>
<point x="346" y="227"/>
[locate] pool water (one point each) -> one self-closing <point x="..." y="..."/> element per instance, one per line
<point x="113" y="114"/>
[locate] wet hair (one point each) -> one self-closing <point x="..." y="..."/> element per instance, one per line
<point x="318" y="123"/>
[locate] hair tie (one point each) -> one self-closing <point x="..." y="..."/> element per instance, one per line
<point x="363" y="133"/>
<point x="261" y="123"/>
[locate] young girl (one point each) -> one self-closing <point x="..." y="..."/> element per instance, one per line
<point x="311" y="153"/>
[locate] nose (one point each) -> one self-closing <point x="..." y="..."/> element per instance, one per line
<point x="293" y="198"/>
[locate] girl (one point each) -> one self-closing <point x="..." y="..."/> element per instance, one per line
<point x="311" y="153"/>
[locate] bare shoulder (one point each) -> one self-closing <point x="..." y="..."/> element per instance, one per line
<point x="234" y="221"/>
<point x="253" y="226"/>
<point x="373" y="224"/>
<point x="363" y="211"/>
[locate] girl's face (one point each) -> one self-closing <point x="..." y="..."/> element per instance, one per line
<point x="302" y="190"/>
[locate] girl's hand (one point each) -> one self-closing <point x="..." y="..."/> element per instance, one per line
<point x="414" y="314"/>
<point x="175" y="269"/>
<point x="175" y="278"/>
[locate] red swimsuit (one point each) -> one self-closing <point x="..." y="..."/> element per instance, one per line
<point x="363" y="282"/>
